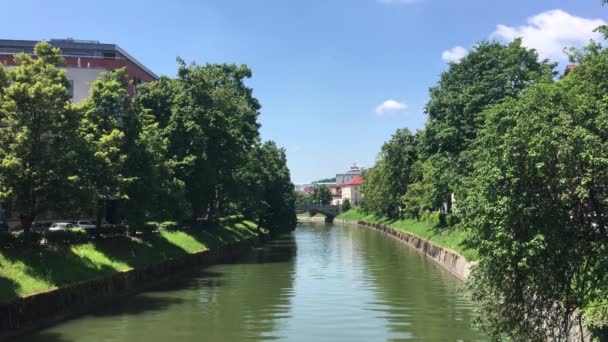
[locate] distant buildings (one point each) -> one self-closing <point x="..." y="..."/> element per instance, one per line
<point x="341" y="189"/>
<point x="84" y="61"/>
<point x="353" y="172"/>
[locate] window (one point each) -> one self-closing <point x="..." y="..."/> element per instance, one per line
<point x="71" y="88"/>
<point x="109" y="55"/>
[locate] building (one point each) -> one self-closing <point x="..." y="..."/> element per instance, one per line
<point x="84" y="61"/>
<point x="336" y="194"/>
<point x="351" y="190"/>
<point x="353" y="172"/>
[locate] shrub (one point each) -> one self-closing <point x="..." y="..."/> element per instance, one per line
<point x="451" y="220"/>
<point x="8" y="239"/>
<point x="345" y="205"/>
<point x="436" y="218"/>
<point x="71" y="236"/>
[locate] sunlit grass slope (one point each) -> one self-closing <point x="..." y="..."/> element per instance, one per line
<point x="451" y="238"/>
<point x="32" y="270"/>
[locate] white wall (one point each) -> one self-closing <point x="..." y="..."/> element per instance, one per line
<point x="82" y="78"/>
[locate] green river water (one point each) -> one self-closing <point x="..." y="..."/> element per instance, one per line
<point x="320" y="283"/>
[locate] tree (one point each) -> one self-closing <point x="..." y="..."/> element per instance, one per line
<point x="345" y="205"/>
<point x="488" y="75"/>
<point x="105" y="113"/>
<point x="537" y="207"/>
<point x="388" y="180"/>
<point x="37" y="129"/>
<point x="209" y="118"/>
<point x="321" y="195"/>
<point x="267" y="193"/>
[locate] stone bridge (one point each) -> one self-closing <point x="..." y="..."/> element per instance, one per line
<point x="330" y="211"/>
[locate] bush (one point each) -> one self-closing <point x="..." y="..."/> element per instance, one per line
<point x="168" y="225"/>
<point x="436" y="218"/>
<point x="451" y="220"/>
<point x="8" y="239"/>
<point x="345" y="205"/>
<point x="71" y="236"/>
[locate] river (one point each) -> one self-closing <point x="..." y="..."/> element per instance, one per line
<point x="320" y="283"/>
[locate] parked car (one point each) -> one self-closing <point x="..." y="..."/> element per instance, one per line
<point x="61" y="226"/>
<point x="84" y="224"/>
<point x="3" y="226"/>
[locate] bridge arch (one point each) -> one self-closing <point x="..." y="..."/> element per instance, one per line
<point x="329" y="211"/>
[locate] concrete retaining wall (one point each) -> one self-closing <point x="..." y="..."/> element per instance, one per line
<point x="311" y="219"/>
<point x="448" y="259"/>
<point x="43" y="309"/>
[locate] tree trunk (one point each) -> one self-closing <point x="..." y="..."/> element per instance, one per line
<point x="26" y="223"/>
<point x="99" y="213"/>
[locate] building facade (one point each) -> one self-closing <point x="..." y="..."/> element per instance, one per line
<point x="84" y="61"/>
<point x="351" y="190"/>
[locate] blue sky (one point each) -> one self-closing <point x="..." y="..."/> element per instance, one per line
<point x="322" y="68"/>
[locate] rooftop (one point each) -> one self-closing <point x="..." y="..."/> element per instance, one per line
<point x="355" y="181"/>
<point x="73" y="48"/>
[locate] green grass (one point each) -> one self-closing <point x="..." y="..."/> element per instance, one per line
<point x="32" y="270"/>
<point x="451" y="238"/>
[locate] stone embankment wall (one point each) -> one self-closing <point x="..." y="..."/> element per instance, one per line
<point x="43" y="309"/>
<point x="448" y="259"/>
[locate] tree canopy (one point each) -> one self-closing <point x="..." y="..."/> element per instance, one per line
<point x="184" y="148"/>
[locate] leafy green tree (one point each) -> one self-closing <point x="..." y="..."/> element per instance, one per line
<point x="303" y="199"/>
<point x="37" y="129"/>
<point x="209" y="118"/>
<point x="267" y="191"/>
<point x="488" y="75"/>
<point x="388" y="180"/>
<point x="321" y="195"/>
<point x="102" y="131"/>
<point x="345" y="205"/>
<point x="420" y="195"/>
<point x="537" y="207"/>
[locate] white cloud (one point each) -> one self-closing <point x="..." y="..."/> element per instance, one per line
<point x="390" y="106"/>
<point x="397" y="1"/>
<point x="549" y="32"/>
<point x="454" y="54"/>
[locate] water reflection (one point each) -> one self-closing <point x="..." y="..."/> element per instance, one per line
<point x="321" y="283"/>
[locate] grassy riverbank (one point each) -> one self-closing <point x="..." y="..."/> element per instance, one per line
<point x="37" y="269"/>
<point x="450" y="238"/>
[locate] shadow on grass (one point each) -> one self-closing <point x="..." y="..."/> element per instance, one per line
<point x="8" y="289"/>
<point x="145" y="250"/>
<point x="59" y="265"/>
<point x="221" y="235"/>
<point x="44" y="337"/>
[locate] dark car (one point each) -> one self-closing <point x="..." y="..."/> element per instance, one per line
<point x="3" y="226"/>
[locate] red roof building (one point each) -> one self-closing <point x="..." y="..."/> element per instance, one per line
<point x="351" y="190"/>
